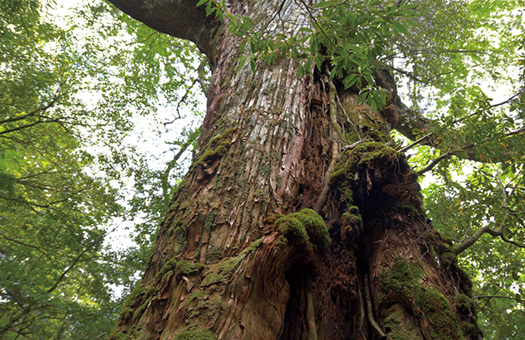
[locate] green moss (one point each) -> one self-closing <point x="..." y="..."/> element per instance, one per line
<point x="400" y="324"/>
<point x="196" y="334"/>
<point x="253" y="247"/>
<point x="198" y="295"/>
<point x="178" y="267"/>
<point x="448" y="259"/>
<point x="211" y="220"/>
<point x="211" y="278"/>
<point x="179" y="235"/>
<point x="271" y="219"/>
<point x="470" y="330"/>
<point x="119" y="336"/>
<point x="222" y="271"/>
<point x="374" y="152"/>
<point x="340" y="177"/>
<point x="431" y="237"/>
<point x="442" y="248"/>
<point x="190" y="268"/>
<point x="351" y="224"/>
<point x="292" y="229"/>
<point x="138" y="313"/>
<point x="437" y="310"/>
<point x="125" y="313"/>
<point x="405" y="281"/>
<point x="213" y="254"/>
<point x="138" y="294"/>
<point x="304" y="226"/>
<point x="463" y="303"/>
<point x="216" y="148"/>
<point x="402" y="277"/>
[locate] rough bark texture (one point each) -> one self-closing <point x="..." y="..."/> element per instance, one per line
<point x="238" y="255"/>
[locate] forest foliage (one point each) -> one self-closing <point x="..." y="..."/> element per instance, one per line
<point x="71" y="175"/>
<point x="74" y="88"/>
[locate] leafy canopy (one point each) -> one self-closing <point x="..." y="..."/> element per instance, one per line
<point x="71" y="94"/>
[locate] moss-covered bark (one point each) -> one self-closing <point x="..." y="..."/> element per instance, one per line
<point x="240" y="254"/>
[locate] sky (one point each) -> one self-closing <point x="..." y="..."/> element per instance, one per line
<point x="149" y="137"/>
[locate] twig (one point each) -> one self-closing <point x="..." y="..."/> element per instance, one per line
<point x="20" y="242"/>
<point x="434" y="163"/>
<point x="353" y="145"/>
<point x="77" y="259"/>
<point x="493" y="296"/>
<point x="182" y="101"/>
<point x="41" y="109"/>
<point x="420" y="140"/>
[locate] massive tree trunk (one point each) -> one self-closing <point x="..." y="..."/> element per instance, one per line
<point x="241" y="255"/>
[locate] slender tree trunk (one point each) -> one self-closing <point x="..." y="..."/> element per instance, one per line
<point x="239" y="257"/>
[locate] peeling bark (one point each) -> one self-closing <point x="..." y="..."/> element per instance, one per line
<point x="238" y="257"/>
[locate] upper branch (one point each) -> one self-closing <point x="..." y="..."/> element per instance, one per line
<point x="178" y="18"/>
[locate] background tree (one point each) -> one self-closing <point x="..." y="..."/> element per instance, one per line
<point x="239" y="256"/>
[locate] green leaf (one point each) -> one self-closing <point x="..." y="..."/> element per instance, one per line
<point x="201" y="2"/>
<point x="399" y="27"/>
<point x="326" y="3"/>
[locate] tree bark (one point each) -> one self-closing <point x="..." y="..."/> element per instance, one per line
<point x="239" y="257"/>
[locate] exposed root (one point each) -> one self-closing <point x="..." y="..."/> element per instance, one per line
<point x="310" y="315"/>
<point x="362" y="310"/>
<point x="369" y="309"/>
<point x="334" y="137"/>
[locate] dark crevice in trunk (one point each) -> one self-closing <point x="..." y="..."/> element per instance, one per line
<point x="295" y="323"/>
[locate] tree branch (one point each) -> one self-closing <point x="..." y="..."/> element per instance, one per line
<point x="465" y="245"/>
<point x="493" y="296"/>
<point x="178" y="18"/>
<point x="20" y="242"/>
<point x="77" y="259"/>
<point x="434" y="163"/>
<point x="21" y="127"/>
<point x="182" y="101"/>
<point x="41" y="109"/>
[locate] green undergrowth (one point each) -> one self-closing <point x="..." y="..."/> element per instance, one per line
<point x="302" y="227"/>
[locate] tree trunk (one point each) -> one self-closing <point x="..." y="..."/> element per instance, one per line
<point x="239" y="255"/>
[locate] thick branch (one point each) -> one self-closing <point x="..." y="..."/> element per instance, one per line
<point x="178" y="18"/>
<point x="486" y="230"/>
<point x="465" y="245"/>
